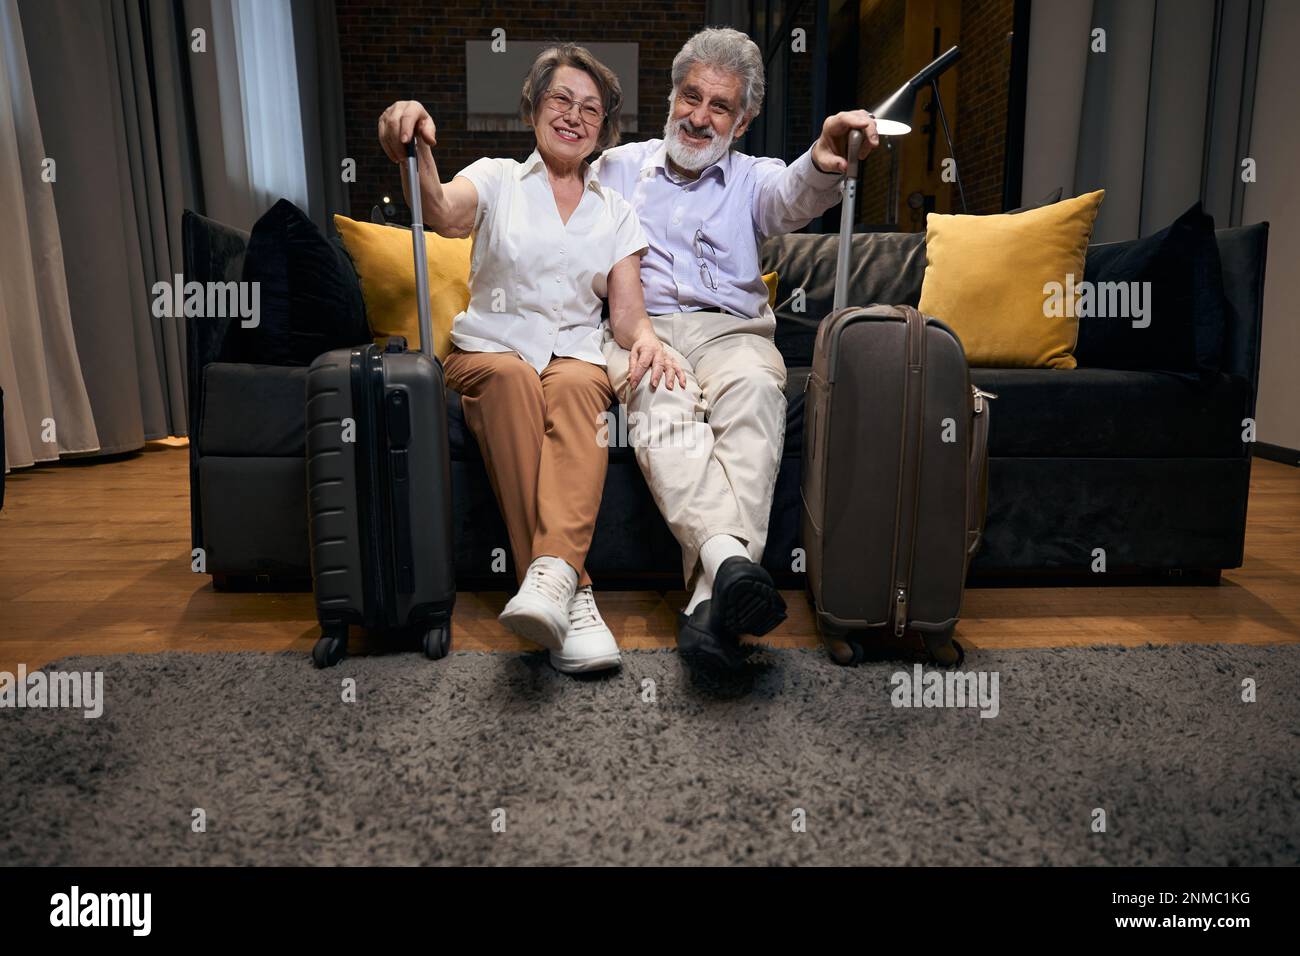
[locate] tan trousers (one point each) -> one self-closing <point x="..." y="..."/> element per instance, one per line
<point x="538" y="436"/>
<point x="709" y="452"/>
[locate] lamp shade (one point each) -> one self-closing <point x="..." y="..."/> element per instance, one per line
<point x="894" y="116"/>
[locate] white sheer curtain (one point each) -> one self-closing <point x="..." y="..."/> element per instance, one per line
<point x="269" y="87"/>
<point x="39" y="370"/>
<point x="252" y="43"/>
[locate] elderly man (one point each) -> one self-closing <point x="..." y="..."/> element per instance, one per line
<point x="710" y="452"/>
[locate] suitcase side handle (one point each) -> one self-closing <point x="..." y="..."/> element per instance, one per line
<point x="398" y="412"/>
<point x="850" y="190"/>
<point x="421" y="260"/>
<point x="977" y="477"/>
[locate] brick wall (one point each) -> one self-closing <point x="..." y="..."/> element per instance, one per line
<point x="801" y="126"/>
<point x="983" y="80"/>
<point x="880" y="71"/>
<point x="415" y="49"/>
<point x="979" y="121"/>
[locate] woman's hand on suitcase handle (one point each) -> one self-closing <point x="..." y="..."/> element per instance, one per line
<point x="401" y="121"/>
<point x="650" y="354"/>
<point x="828" y="153"/>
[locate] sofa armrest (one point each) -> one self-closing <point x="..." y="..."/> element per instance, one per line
<point x="1243" y="252"/>
<point x="252" y="411"/>
<point x="211" y="252"/>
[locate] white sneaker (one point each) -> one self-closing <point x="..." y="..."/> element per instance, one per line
<point x="540" y="610"/>
<point x="589" y="644"/>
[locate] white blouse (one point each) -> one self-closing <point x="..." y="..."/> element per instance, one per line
<point x="535" y="282"/>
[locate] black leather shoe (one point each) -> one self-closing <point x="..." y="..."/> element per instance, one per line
<point x="745" y="600"/>
<point x="700" y="639"/>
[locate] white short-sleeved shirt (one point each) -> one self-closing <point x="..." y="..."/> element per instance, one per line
<point x="535" y="282"/>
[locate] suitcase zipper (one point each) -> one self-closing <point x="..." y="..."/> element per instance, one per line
<point x="979" y="396"/>
<point x="909" y="465"/>
<point x="900" y="612"/>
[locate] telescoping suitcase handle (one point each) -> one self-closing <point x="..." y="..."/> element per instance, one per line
<point x="850" y="190"/>
<point x="421" y="261"/>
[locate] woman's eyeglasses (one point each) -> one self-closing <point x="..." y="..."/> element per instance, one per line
<point x="561" y="103"/>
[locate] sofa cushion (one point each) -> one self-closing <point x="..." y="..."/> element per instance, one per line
<point x="1109" y="413"/>
<point x="253" y="411"/>
<point x="310" y="299"/>
<point x="886" y="268"/>
<point x="1186" y="306"/>
<point x="986" y="278"/>
<point x="383" y="258"/>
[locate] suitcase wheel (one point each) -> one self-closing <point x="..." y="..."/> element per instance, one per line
<point x="330" y="649"/>
<point x="944" y="650"/>
<point x="437" y="642"/>
<point x="845" y="652"/>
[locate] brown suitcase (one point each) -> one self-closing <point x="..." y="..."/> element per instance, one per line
<point x="895" y="465"/>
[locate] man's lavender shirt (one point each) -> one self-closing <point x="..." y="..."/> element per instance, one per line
<point x="734" y="205"/>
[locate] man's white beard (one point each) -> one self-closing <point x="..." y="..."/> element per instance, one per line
<point x="693" y="159"/>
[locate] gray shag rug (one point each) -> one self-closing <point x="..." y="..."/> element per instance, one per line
<point x="497" y="759"/>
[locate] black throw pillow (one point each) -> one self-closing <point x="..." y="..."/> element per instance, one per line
<point x="1187" y="307"/>
<point x="310" y="297"/>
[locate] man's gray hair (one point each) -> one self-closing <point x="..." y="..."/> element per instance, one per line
<point x="730" y="51"/>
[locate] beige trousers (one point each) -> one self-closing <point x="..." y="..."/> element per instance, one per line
<point x="539" y="439"/>
<point x="709" y="452"/>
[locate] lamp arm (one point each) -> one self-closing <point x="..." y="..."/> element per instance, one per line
<point x="935" y="67"/>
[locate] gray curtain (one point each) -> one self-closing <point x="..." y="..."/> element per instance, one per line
<point x="143" y="127"/>
<point x="1160" y="119"/>
<point x="320" y="88"/>
<point x="91" y="76"/>
<point x="39" y="369"/>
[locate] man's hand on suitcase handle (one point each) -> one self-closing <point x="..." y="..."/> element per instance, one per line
<point x="830" y="150"/>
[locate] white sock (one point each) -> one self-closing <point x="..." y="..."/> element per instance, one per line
<point x="713" y="552"/>
<point x="703" y="591"/>
<point x="718" y="549"/>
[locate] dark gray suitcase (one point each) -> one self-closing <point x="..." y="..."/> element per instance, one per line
<point x="379" y="491"/>
<point x="895" y="467"/>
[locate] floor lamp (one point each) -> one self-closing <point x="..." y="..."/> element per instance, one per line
<point x="894" y="118"/>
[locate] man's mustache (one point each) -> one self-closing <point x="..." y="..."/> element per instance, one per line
<point x="705" y="131"/>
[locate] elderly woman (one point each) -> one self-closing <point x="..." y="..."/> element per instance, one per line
<point x="549" y="243"/>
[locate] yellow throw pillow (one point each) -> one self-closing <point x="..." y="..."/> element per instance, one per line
<point x="987" y="278"/>
<point x="385" y="266"/>
<point x="769" y="280"/>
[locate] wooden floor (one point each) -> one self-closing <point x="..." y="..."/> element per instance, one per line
<point x="95" y="558"/>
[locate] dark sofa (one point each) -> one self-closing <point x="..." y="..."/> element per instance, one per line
<point x="1148" y="465"/>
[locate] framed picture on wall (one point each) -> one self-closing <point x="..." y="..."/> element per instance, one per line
<point x="493" y="78"/>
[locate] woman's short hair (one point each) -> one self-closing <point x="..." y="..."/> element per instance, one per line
<point x="543" y="70"/>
